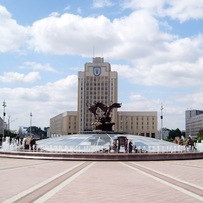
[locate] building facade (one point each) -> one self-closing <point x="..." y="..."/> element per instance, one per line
<point x="138" y="123"/>
<point x="64" y="124"/>
<point x="97" y="83"/>
<point x="193" y="122"/>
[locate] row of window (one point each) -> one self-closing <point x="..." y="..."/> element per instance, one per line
<point x="98" y="78"/>
<point x="97" y="84"/>
<point x="137" y="127"/>
<point x="96" y="98"/>
<point x="88" y="92"/>
<point x="96" y="88"/>
<point x="136" y="123"/>
<point x="127" y="118"/>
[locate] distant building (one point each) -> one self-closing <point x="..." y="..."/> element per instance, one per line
<point x="193" y="122"/>
<point x="64" y="124"/>
<point x="142" y="123"/>
<point x="97" y="83"/>
<point x="165" y="133"/>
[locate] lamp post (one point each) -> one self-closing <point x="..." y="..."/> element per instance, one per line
<point x="161" y="122"/>
<point x="4" y="114"/>
<point x="190" y="123"/>
<point x="30" y="122"/>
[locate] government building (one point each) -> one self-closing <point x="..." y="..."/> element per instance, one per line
<point x="97" y="83"/>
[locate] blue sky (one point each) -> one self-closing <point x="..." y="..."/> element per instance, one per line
<point x="155" y="46"/>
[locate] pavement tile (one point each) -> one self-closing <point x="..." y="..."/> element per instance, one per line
<point x="101" y="182"/>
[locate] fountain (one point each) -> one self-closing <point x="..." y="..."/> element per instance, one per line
<point x="103" y="139"/>
<point x="9" y="145"/>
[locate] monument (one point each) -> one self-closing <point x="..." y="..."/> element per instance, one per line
<point x="103" y="122"/>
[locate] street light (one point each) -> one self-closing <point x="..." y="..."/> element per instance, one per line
<point x="161" y="122"/>
<point x="30" y="122"/>
<point x="4" y="114"/>
<point x="190" y="122"/>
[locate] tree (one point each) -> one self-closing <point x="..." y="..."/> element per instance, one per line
<point x="200" y="135"/>
<point x="37" y="131"/>
<point x="174" y="133"/>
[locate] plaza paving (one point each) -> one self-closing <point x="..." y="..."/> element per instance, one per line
<point x="33" y="180"/>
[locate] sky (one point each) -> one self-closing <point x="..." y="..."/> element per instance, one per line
<point x="155" y="46"/>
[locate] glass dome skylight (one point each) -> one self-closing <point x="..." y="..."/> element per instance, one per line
<point x="95" y="142"/>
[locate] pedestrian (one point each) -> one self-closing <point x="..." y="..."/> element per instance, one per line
<point x="130" y="147"/>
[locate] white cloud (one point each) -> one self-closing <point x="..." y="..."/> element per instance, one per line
<point x="55" y="14"/>
<point x="12" y="35"/>
<point x="102" y="3"/>
<point x="37" y="67"/>
<point x="67" y="8"/>
<point x="44" y="101"/>
<point x="185" y="10"/>
<point x="79" y="11"/>
<point x="134" y="37"/>
<point x="193" y="100"/>
<point x="130" y="37"/>
<point x="137" y="97"/>
<point x="71" y="34"/>
<point x="4" y="13"/>
<point x="14" y="77"/>
<point x="181" y="10"/>
<point x="155" y="6"/>
<point x="169" y="74"/>
<point x="139" y="36"/>
<point x="175" y="63"/>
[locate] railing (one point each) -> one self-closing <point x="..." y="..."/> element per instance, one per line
<point x="102" y="149"/>
<point x="7" y="146"/>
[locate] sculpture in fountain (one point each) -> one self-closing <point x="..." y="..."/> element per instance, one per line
<point x="103" y="122"/>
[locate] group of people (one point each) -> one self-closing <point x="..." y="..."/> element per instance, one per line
<point x="29" y="142"/>
<point x="16" y="140"/>
<point x="118" y="144"/>
<point x="189" y="142"/>
<point x="26" y="143"/>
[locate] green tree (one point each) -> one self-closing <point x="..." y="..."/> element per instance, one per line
<point x="174" y="133"/>
<point x="37" y="131"/>
<point x="200" y="135"/>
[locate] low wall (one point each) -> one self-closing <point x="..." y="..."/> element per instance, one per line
<point x="103" y="156"/>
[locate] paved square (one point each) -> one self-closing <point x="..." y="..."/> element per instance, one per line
<point x="26" y="180"/>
